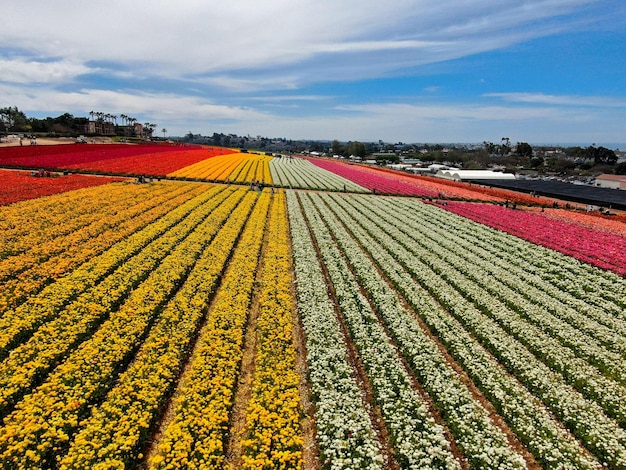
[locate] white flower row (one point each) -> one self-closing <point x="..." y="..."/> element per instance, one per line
<point x="598" y="432"/>
<point x="300" y="173"/>
<point x="559" y="345"/>
<point x="345" y="433"/>
<point x="418" y="441"/>
<point x="566" y="275"/>
<point x="532" y="422"/>
<point x="514" y="256"/>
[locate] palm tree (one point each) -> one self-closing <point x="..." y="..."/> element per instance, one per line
<point x="91" y="113"/>
<point x="164" y="130"/>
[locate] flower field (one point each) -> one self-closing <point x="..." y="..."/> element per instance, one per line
<point x="180" y="324"/>
<point x="118" y="159"/>
<point x="290" y="172"/>
<point x="603" y="248"/>
<point x="242" y="168"/>
<point x="20" y="185"/>
<point x="374" y="181"/>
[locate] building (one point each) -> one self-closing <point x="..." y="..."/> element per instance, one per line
<point x="470" y="175"/>
<point x="611" y="181"/>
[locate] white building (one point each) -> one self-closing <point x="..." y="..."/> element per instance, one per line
<point x="465" y="175"/>
<point x="611" y="181"/>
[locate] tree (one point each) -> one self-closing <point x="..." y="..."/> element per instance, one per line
<point x="336" y="148"/>
<point x="524" y="149"/>
<point x="490" y="147"/>
<point x="505" y="146"/>
<point x="620" y="168"/>
<point x="164" y="130"/>
<point x="12" y="119"/>
<point x="601" y="155"/>
<point x="356" y="148"/>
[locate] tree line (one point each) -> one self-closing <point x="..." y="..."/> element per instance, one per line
<point x="12" y="120"/>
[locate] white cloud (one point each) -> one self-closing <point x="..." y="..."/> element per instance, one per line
<point x="217" y="56"/>
<point x="565" y="100"/>
<point x="187" y="37"/>
<point x="432" y="122"/>
<point x="32" y="71"/>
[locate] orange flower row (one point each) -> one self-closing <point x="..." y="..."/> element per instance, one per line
<point x="116" y="213"/>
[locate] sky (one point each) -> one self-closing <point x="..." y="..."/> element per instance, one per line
<point x="412" y="71"/>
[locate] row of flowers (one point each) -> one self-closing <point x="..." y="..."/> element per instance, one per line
<point x="217" y="168"/>
<point x="37" y="220"/>
<point x="602" y="249"/>
<point x="567" y="312"/>
<point x="118" y="428"/>
<point x="45" y="420"/>
<point x="600" y="343"/>
<point x="596" y="293"/>
<point x="37" y="259"/>
<point x="20" y="186"/>
<point x="557" y="344"/>
<point x="77" y="321"/>
<point x="59" y="156"/>
<point x="594" y="221"/>
<point x="585" y="418"/>
<point x="20" y="322"/>
<point x="483" y="444"/>
<point x="530" y="420"/>
<point x="345" y="431"/>
<point x="195" y="436"/>
<point x="255" y="168"/>
<point x="290" y="172"/>
<point x="376" y="182"/>
<point x="149" y="164"/>
<point x="274" y="438"/>
<point x="417" y="440"/>
<point x="152" y="160"/>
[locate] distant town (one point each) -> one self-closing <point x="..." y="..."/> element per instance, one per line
<point x="574" y="163"/>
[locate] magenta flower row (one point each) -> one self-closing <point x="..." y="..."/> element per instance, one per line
<point x="376" y="183"/>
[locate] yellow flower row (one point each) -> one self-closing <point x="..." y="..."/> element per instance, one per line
<point x="55" y="338"/>
<point x="213" y="169"/>
<point x="115" y="433"/>
<point x="273" y="414"/>
<point x="45" y="419"/>
<point x="20" y="322"/>
<point x="28" y="223"/>
<point x="255" y="168"/>
<point x="195" y="436"/>
<point x="45" y="260"/>
<point x="236" y="167"/>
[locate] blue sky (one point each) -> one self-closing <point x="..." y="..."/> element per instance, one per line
<point x="537" y="71"/>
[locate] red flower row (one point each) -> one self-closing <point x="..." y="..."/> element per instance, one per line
<point x="149" y="160"/>
<point x="20" y="185"/>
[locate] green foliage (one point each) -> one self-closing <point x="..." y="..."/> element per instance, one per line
<point x="524" y="149"/>
<point x="620" y="168"/>
<point x="601" y="155"/>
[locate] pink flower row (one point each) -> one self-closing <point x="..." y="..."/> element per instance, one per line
<point x="601" y="248"/>
<point x="379" y="183"/>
